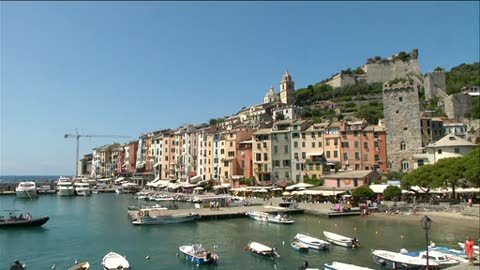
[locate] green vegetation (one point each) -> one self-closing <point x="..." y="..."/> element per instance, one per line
<point x="448" y="172"/>
<point x="215" y="121"/>
<point x="363" y="192"/>
<point x="461" y="76"/>
<point x="247" y="181"/>
<point x="313" y="181"/>
<point x="476" y="108"/>
<point x="309" y="112"/>
<point x="392" y="193"/>
<point x="280" y="116"/>
<point x="403" y="56"/>
<point x="372" y="112"/>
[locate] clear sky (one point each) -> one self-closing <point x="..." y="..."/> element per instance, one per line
<point x="127" y="68"/>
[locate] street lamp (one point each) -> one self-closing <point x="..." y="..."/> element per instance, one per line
<point x="426" y="223"/>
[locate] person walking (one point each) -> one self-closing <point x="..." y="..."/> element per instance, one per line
<point x="469" y="249"/>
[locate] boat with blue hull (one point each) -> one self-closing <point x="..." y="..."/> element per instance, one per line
<point x="197" y="254"/>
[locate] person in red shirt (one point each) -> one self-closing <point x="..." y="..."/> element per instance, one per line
<point x="469" y="249"/>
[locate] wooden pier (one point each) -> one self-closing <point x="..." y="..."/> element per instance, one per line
<point x="226" y="212"/>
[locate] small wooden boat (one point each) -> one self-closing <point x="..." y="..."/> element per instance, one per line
<point x="114" y="261"/>
<point x="15" y="222"/>
<point x="395" y="260"/>
<point x="313" y="242"/>
<point x="197" y="254"/>
<point x="299" y="246"/>
<point x="80" y="266"/>
<point x="340" y="240"/>
<point x="344" y="266"/>
<point x="261" y="249"/>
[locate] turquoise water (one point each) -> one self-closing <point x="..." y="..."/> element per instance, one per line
<point x="87" y="228"/>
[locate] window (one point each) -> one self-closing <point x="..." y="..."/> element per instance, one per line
<point x="275" y="149"/>
<point x="356" y="144"/>
<point x="403" y="146"/>
<point x="328" y="154"/>
<point x="286" y="148"/>
<point x="276" y="163"/>
<point x="357" y="155"/>
<point x="310" y="167"/>
<point x="286" y="136"/>
<point x="275" y="137"/>
<point x="377" y="157"/>
<point x="258" y="157"/>
<point x="313" y="144"/>
<point x="456" y="150"/>
<point x="225" y="163"/>
<point x="265" y="144"/>
<point x="304" y="155"/>
<point x="231" y="144"/>
<point x="303" y="144"/>
<point x="265" y="156"/>
<point x="355" y="133"/>
<point x="295" y="155"/>
<point x="328" y="142"/>
<point x="259" y="145"/>
<point x="345" y="144"/>
<point x="222" y="151"/>
<point x="335" y="154"/>
<point x="295" y="144"/>
<point x="400" y="99"/>
<point x="231" y="153"/>
<point x="439" y="151"/>
<point x="345" y="156"/>
<point x="313" y="135"/>
<point x="405" y="165"/>
<point x="320" y="144"/>
<point x="365" y="145"/>
<point x="365" y="157"/>
<point x="286" y="163"/>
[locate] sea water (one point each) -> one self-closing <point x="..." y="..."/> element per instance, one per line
<point x="87" y="228"/>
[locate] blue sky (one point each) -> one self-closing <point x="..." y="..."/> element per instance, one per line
<point x="127" y="68"/>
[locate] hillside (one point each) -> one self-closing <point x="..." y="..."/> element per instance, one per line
<point x="462" y="75"/>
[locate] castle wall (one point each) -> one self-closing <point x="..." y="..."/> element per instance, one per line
<point x="402" y="123"/>
<point x="382" y="72"/>
<point x="342" y="80"/>
<point x="457" y="105"/>
<point x="433" y="82"/>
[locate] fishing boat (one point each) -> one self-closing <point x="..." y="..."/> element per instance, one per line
<point x="154" y="216"/>
<point x="443" y="260"/>
<point x="114" y="261"/>
<point x="344" y="266"/>
<point x="341" y="240"/>
<point x="80" y="266"/>
<point x="26" y="190"/>
<point x="299" y="246"/>
<point x="13" y="221"/>
<point x="263" y="250"/>
<point x="197" y="254"/>
<point x="313" y="242"/>
<point x="395" y="260"/>
<point x="262" y="216"/>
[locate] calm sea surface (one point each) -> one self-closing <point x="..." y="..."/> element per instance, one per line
<point x="87" y="228"/>
<point x="20" y="178"/>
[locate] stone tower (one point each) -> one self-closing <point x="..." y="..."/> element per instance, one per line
<point x="287" y="89"/>
<point x="402" y="122"/>
<point x="433" y="83"/>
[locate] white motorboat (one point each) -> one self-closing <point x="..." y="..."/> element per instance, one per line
<point x="341" y="240"/>
<point x="261" y="249"/>
<point x="313" y="242"/>
<point x="82" y="188"/>
<point x="26" y="190"/>
<point x="395" y="260"/>
<point x="475" y="249"/>
<point x="128" y="188"/>
<point x="344" y="266"/>
<point x="65" y="187"/>
<point x="262" y="216"/>
<point x="299" y="246"/>
<point x="155" y="216"/>
<point x="114" y="261"/>
<point x="443" y="260"/>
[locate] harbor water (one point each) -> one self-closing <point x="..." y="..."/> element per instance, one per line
<point x="87" y="228"/>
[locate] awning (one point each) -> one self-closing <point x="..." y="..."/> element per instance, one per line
<point x="299" y="185"/>
<point x="195" y="179"/>
<point x="378" y="188"/>
<point x="318" y="192"/>
<point x="315" y="154"/>
<point x="286" y="193"/>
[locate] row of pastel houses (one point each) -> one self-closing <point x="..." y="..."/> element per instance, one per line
<point x="270" y="143"/>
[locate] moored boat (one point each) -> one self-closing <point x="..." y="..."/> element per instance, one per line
<point x="261" y="249"/>
<point x="114" y="261"/>
<point x="197" y="254"/>
<point x="13" y="221"/>
<point x="262" y="216"/>
<point x="154" y="216"/>
<point x="26" y="190"/>
<point x="65" y="187"/>
<point x="313" y="242"/>
<point x="395" y="260"/>
<point x="443" y="260"/>
<point x="475" y="249"/>
<point x="80" y="266"/>
<point x="340" y="240"/>
<point x="344" y="266"/>
<point x="299" y="246"/>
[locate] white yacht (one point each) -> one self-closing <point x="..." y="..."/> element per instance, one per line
<point x="27" y="190"/>
<point x="82" y="188"/>
<point x="65" y="186"/>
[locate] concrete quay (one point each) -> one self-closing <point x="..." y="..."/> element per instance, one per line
<point x="226" y="212"/>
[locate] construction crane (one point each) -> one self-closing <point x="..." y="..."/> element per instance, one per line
<point x="77" y="136"/>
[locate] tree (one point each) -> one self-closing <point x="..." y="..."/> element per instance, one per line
<point x="449" y="172"/>
<point x="280" y="116"/>
<point x="472" y="164"/>
<point x="363" y="192"/>
<point x="422" y="177"/>
<point x="392" y="193"/>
